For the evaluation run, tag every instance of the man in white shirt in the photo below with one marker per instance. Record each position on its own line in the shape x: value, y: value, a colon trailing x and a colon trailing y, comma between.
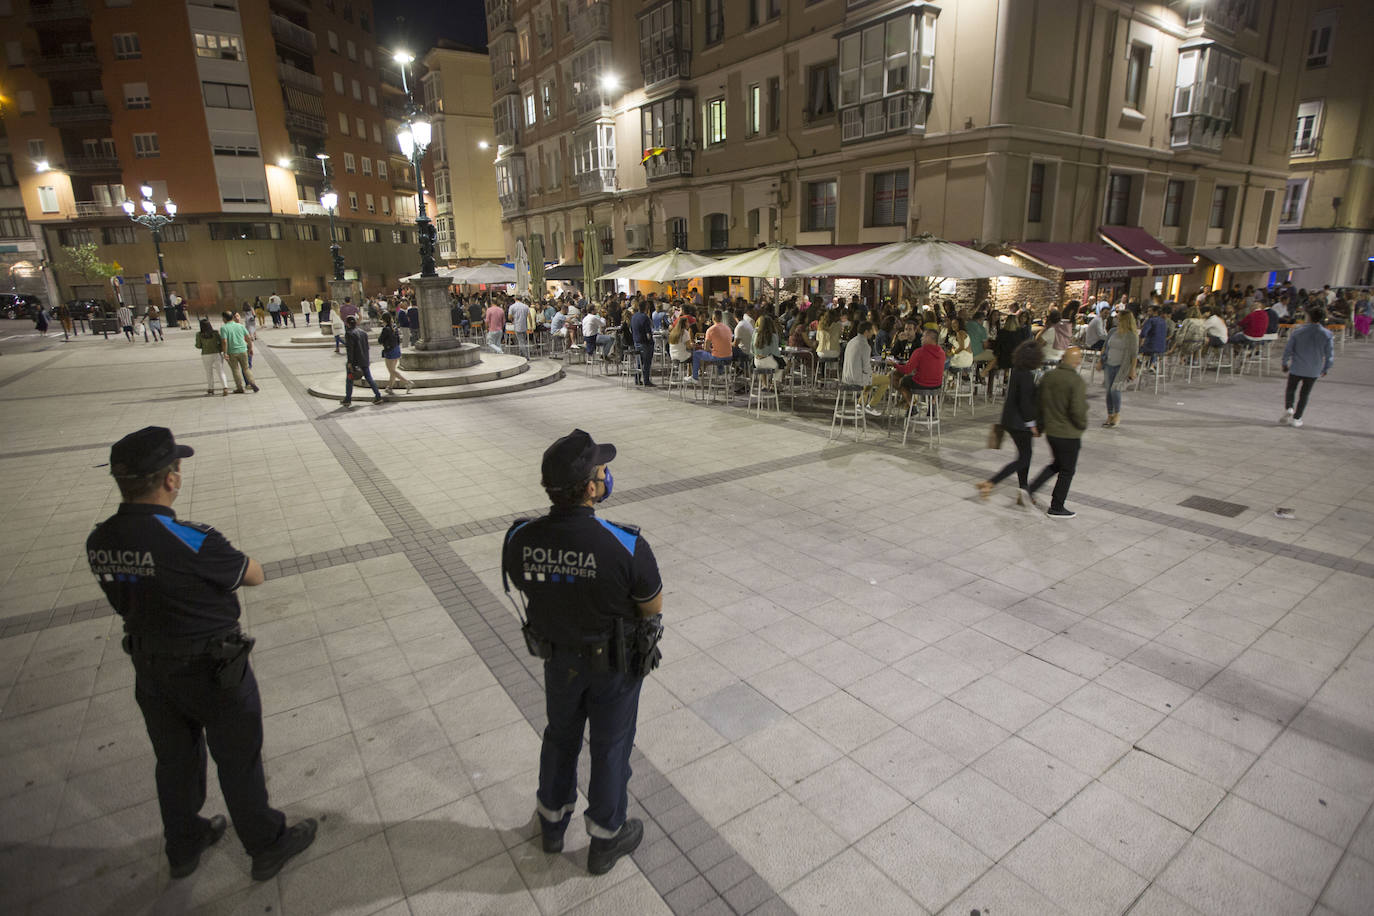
x: 519, y: 314
x: 1095, y: 334
x: 126, y: 321
x: 857, y: 368
x: 592, y: 327
x: 744, y: 336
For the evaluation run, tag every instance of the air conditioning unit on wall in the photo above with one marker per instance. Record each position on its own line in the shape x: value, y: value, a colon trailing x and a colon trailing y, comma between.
x: 637, y: 237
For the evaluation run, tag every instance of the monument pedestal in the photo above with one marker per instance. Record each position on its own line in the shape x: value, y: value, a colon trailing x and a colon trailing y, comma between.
x: 438, y: 348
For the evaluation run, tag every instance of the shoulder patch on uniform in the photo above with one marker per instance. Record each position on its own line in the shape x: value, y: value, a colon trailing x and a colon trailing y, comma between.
x: 516, y: 526
x: 192, y: 537
x: 627, y: 535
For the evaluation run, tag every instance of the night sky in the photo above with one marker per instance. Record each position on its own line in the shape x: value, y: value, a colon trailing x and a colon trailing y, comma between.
x: 418, y: 24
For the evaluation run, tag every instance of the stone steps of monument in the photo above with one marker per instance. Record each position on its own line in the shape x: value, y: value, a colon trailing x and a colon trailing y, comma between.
x: 530, y: 375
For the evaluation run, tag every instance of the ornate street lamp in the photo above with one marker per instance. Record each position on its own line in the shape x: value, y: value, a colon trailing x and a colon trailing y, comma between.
x: 154, y: 222
x: 414, y: 136
x: 329, y: 200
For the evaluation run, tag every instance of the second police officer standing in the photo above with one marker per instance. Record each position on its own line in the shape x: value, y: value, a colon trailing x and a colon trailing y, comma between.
x: 173, y: 583
x: 594, y: 598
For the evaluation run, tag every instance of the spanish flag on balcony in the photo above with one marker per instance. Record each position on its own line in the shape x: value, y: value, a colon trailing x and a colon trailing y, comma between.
x: 651, y: 153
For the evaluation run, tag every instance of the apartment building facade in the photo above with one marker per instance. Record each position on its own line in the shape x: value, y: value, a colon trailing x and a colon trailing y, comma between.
x: 456, y: 90
x: 720, y: 126
x: 223, y: 106
x: 1327, y: 218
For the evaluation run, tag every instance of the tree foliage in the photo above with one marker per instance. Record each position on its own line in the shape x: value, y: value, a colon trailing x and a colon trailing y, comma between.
x: 84, y: 260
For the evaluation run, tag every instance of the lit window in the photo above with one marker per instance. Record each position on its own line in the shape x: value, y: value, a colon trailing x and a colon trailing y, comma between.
x: 715, y: 121
x: 218, y: 46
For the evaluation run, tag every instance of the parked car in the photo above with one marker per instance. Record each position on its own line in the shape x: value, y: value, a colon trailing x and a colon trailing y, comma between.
x: 18, y: 305
x: 89, y: 308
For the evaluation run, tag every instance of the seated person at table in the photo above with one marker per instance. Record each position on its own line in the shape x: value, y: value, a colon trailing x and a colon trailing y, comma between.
x: 594, y: 333
x: 743, y: 338
x: 1255, y: 324
x: 1154, y: 334
x: 960, y: 349
x: 799, y: 339
x: 680, y: 342
x: 558, y: 325
x: 719, y: 347
x: 1095, y: 334
x: 828, y: 328
x: 1215, y: 327
x: 858, y: 364
x: 925, y: 370
x: 768, y: 345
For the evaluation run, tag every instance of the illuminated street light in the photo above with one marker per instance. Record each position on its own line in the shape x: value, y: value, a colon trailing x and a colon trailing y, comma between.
x: 154, y: 222
x: 329, y: 200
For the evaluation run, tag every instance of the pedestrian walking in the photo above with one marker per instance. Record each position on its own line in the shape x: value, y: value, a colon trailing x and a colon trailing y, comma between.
x: 154, y: 321
x: 1308, y: 355
x: 174, y: 583
x: 357, y: 363
x: 1118, y: 363
x: 1062, y: 414
x: 389, y: 339
x: 126, y: 321
x: 413, y: 315
x: 211, y: 347
x: 1020, y: 412
x: 238, y: 351
x: 594, y: 598
x: 40, y: 320
x: 64, y: 315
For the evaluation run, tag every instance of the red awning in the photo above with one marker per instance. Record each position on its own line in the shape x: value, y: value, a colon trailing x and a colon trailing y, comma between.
x: 1082, y: 260
x: 1139, y: 244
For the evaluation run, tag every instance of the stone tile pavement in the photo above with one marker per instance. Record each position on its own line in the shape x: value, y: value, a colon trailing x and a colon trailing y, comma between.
x: 876, y: 688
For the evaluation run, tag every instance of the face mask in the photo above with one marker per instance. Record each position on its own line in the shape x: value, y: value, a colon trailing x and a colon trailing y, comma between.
x: 609, y: 483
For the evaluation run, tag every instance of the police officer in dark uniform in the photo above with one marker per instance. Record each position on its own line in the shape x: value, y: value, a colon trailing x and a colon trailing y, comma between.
x: 594, y: 598
x: 173, y: 582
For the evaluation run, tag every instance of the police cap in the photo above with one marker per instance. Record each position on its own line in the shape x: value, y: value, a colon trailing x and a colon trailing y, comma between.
x: 569, y: 461
x: 147, y: 451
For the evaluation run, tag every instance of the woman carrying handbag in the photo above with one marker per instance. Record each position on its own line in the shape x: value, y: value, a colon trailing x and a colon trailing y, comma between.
x: 1018, y: 421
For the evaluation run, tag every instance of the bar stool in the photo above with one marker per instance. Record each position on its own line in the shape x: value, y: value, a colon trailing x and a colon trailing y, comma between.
x: 1154, y: 363
x: 763, y: 388
x: 1253, y: 356
x: 1225, y: 360
x: 718, y: 379
x: 923, y: 411
x: 960, y: 383
x: 628, y: 378
x: 679, y: 373
x: 849, y: 407
x: 827, y: 372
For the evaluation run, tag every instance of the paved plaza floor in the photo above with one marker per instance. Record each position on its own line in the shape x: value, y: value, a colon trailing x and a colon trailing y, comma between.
x: 878, y: 693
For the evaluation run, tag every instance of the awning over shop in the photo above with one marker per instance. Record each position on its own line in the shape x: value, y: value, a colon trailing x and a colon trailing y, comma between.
x: 1249, y: 260
x: 1082, y: 260
x: 1139, y: 244
x: 573, y: 270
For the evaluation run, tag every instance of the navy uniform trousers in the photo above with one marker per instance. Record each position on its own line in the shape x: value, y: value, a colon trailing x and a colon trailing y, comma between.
x: 184, y: 711
x: 609, y: 702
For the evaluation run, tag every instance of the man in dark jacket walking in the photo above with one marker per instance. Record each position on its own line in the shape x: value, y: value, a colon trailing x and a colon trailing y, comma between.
x: 356, y: 344
x: 1063, y: 415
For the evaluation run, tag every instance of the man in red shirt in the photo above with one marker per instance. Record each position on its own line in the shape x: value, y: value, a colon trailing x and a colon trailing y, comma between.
x: 1256, y: 323
x: 925, y: 370
x: 495, y: 318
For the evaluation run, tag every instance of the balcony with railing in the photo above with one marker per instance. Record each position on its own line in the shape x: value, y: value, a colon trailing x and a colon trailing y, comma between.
x: 596, y: 181
x: 1197, y: 132
x: 300, y: 79
x: 306, y: 123
x: 293, y: 36
x: 58, y: 11
x: 71, y: 114
x: 87, y: 164
x: 307, y: 166
x: 310, y: 208
x: 402, y: 180
x: 66, y: 61
x: 86, y: 208
x: 500, y: 16
x: 671, y: 164
x: 900, y: 113
x: 673, y: 65
x: 591, y: 22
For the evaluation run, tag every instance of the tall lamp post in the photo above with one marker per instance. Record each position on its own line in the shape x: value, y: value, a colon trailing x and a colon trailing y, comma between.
x: 330, y: 200
x: 154, y: 222
x: 414, y: 136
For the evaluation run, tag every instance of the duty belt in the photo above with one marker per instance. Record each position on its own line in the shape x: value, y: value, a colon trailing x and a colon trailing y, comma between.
x: 171, y: 647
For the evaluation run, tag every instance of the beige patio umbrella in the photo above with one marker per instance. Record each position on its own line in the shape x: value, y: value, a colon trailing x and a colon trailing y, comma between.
x: 671, y: 265
x: 923, y: 256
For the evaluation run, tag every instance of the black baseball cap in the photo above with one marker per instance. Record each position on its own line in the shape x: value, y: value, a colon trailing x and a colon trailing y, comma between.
x: 147, y: 451
x: 570, y: 460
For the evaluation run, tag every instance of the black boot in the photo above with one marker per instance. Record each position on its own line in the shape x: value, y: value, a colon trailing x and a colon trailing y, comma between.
x: 603, y: 854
